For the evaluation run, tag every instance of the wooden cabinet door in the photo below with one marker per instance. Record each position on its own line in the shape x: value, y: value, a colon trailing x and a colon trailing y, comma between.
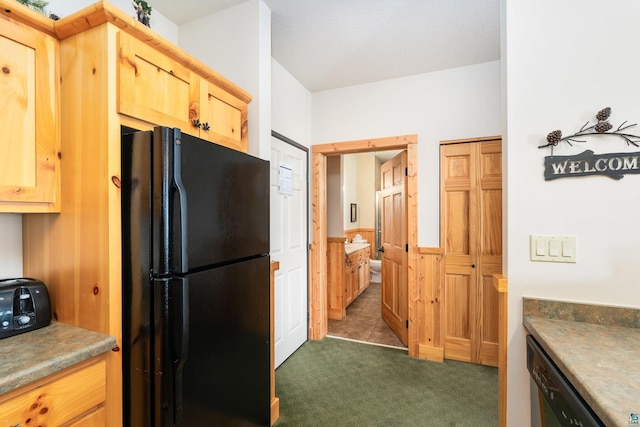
x: 30, y: 161
x: 155, y: 88
x: 471, y: 214
x: 361, y: 274
x: 367, y: 267
x: 350, y: 279
x: 223, y: 117
x: 395, y: 299
x: 77, y: 392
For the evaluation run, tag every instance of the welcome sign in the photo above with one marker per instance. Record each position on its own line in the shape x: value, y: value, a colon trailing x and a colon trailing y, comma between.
x: 613, y: 165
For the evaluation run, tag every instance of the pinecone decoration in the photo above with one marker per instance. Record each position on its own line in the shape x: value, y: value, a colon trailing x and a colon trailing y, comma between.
x: 554, y: 137
x: 603, y: 115
x: 602, y: 127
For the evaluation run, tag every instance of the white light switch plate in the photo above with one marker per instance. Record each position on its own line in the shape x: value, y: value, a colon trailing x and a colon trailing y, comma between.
x: 553, y: 248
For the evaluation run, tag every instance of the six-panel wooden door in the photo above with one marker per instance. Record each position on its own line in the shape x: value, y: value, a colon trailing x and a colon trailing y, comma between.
x: 394, y: 243
x: 471, y: 234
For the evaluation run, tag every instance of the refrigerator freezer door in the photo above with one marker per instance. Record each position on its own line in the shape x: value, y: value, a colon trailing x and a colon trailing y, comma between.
x: 219, y: 203
x: 226, y: 377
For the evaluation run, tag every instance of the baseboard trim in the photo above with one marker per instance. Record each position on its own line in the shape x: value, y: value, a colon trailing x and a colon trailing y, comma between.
x: 275, y: 410
x: 435, y: 354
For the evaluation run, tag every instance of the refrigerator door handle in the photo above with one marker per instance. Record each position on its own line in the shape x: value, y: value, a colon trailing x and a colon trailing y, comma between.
x: 179, y: 341
x: 181, y: 208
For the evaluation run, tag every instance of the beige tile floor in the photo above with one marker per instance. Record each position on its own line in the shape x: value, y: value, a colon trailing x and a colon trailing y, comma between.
x: 364, y: 321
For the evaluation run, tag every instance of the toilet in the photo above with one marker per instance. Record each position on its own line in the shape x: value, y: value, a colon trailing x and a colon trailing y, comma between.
x: 376, y: 270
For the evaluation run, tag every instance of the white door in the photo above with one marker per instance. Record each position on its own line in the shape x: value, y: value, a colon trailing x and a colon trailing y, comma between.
x: 289, y: 246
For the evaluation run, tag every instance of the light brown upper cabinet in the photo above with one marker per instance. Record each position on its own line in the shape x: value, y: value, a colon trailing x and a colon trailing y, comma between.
x: 153, y: 87
x: 30, y: 161
x: 471, y: 235
x: 223, y: 117
x: 159, y: 90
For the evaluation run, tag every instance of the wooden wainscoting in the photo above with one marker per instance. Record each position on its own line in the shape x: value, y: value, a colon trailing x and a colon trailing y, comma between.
x: 368, y: 234
x: 428, y: 307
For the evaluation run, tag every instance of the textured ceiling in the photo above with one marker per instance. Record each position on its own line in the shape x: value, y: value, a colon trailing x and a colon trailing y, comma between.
x: 327, y: 44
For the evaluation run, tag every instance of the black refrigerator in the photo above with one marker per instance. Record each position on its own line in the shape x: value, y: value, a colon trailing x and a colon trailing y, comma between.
x: 195, y: 285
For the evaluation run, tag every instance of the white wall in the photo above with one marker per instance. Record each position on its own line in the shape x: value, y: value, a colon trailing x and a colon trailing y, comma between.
x: 564, y: 62
x: 366, y: 190
x: 290, y: 106
x: 335, y: 217
x: 349, y: 175
x: 236, y: 43
x: 11, y: 247
x: 452, y: 104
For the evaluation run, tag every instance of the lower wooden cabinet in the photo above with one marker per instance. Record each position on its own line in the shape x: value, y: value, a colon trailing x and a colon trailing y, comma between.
x: 348, y: 275
x: 74, y: 397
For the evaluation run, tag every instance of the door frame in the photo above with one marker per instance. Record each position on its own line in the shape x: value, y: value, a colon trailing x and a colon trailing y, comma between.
x: 318, y: 323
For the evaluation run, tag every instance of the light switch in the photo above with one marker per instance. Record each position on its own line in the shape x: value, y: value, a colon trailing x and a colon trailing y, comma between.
x: 553, y: 248
x: 569, y: 249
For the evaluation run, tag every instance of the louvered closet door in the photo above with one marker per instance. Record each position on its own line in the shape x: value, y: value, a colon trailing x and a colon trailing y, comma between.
x: 471, y: 213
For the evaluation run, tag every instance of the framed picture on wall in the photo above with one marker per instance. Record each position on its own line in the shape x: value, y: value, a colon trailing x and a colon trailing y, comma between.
x: 354, y: 212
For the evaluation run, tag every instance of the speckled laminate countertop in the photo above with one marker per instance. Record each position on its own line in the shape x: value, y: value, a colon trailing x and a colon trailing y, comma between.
x: 33, y: 355
x: 598, y: 350
x: 350, y: 248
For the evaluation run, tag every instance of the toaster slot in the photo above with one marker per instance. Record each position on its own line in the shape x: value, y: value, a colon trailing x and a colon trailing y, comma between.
x: 23, y: 310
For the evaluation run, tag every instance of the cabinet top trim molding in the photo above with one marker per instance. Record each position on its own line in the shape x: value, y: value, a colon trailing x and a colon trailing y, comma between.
x: 102, y: 12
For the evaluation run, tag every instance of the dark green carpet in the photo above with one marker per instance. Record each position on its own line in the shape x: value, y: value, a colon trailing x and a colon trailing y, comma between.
x: 342, y: 383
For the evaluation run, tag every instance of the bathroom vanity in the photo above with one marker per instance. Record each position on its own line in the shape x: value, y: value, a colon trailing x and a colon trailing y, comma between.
x: 348, y: 274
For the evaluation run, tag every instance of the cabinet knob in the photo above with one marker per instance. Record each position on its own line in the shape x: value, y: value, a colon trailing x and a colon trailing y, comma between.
x: 196, y: 123
x: 473, y: 266
x: 205, y: 126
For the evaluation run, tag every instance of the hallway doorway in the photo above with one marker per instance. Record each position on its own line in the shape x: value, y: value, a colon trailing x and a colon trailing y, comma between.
x: 318, y: 322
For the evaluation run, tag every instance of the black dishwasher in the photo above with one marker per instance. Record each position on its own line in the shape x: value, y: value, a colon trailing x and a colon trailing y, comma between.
x: 556, y: 403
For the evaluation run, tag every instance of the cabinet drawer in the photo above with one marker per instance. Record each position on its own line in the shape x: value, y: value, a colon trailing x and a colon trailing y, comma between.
x: 65, y: 398
x: 153, y: 87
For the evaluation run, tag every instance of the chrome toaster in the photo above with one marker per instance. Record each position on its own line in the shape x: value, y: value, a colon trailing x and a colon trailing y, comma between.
x: 24, y: 306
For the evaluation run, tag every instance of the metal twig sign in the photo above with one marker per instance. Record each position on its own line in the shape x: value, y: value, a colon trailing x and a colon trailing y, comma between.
x: 587, y: 163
